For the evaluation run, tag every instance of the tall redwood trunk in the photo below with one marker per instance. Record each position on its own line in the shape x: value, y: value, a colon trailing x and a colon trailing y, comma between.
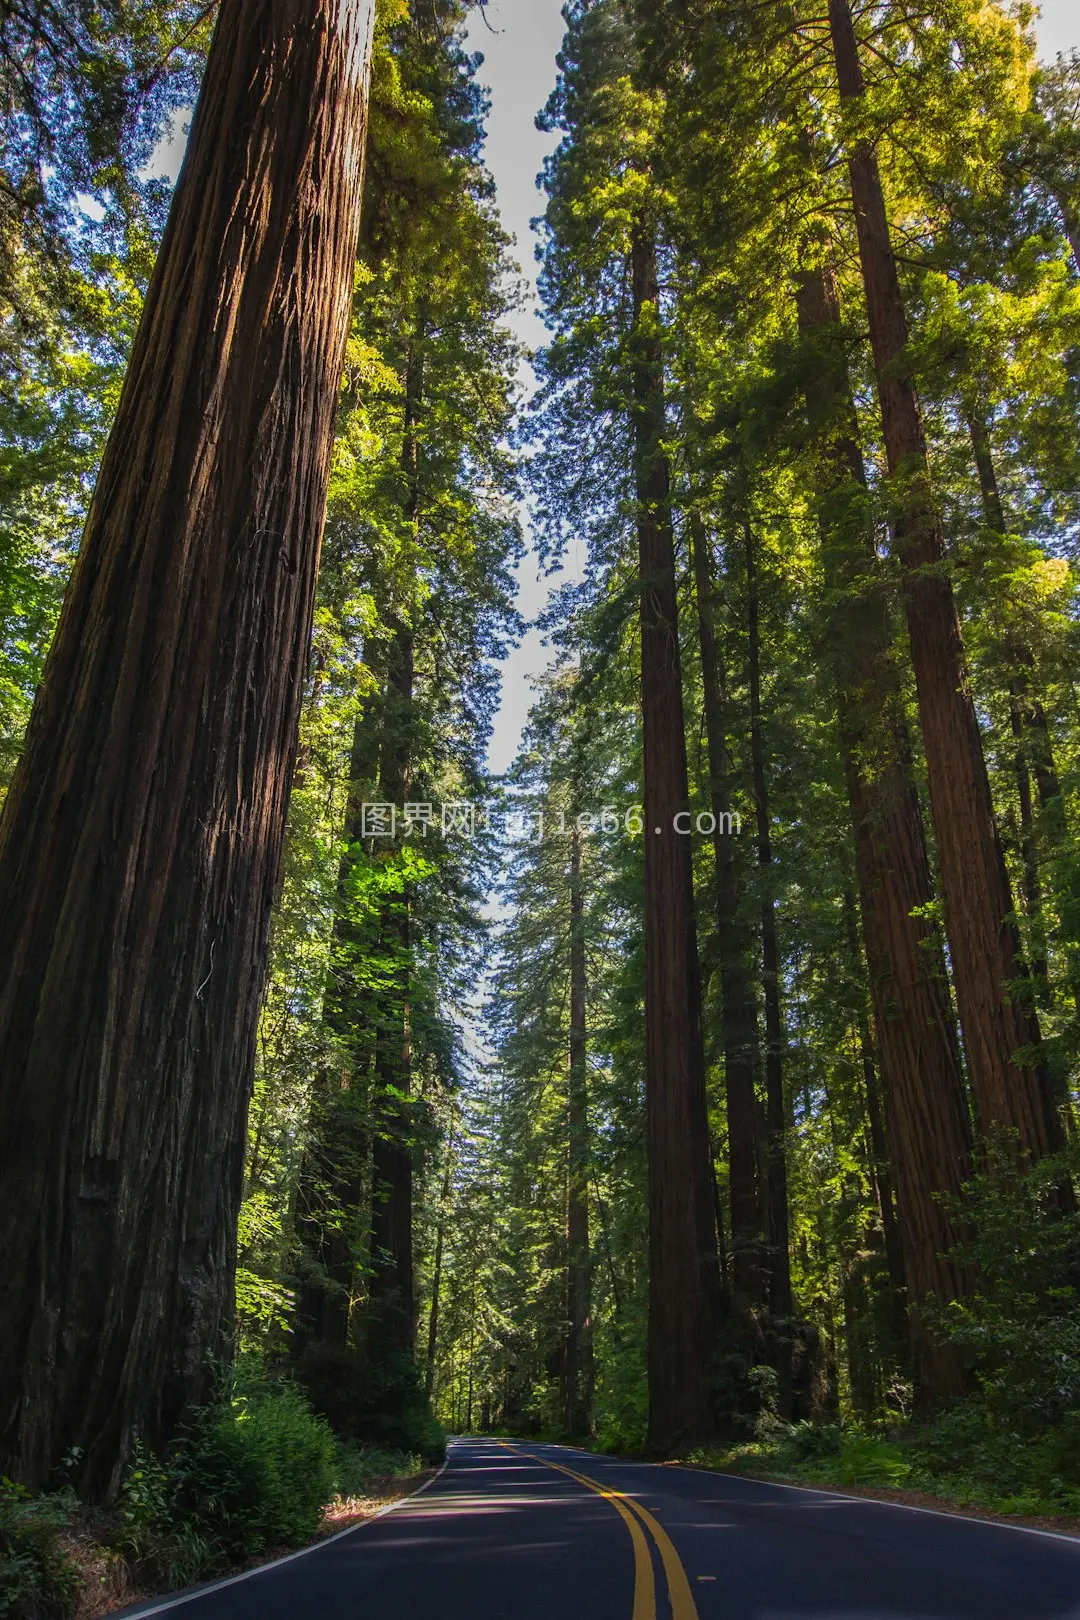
x: 577, y: 1363
x: 683, y: 1267
x: 335, y: 1175
x: 437, y: 1271
x: 734, y: 947
x: 391, y: 1317
x: 141, y: 836
x: 978, y: 904
x: 926, y: 1114
x: 781, y: 1301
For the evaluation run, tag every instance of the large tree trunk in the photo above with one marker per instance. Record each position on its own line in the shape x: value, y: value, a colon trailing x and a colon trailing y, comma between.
x: 978, y: 904
x: 781, y: 1302
x: 734, y: 947
x: 683, y: 1269
x: 925, y: 1106
x: 141, y: 836
x: 577, y: 1364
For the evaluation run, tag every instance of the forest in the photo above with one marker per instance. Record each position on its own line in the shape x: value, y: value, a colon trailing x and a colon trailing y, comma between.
x: 705, y: 1085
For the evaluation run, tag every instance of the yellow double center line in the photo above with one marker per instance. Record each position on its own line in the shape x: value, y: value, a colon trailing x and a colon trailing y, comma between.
x: 680, y: 1596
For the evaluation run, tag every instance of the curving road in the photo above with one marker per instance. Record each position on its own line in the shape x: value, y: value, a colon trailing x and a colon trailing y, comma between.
x: 521, y: 1531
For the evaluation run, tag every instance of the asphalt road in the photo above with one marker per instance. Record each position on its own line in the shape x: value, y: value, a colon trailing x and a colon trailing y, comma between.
x: 517, y: 1531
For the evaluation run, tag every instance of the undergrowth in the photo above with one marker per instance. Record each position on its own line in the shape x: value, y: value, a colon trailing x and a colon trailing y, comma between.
x: 253, y: 1474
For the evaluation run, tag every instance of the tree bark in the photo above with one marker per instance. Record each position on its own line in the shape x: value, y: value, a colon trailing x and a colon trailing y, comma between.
x: 390, y: 1323
x: 683, y: 1270
x: 331, y: 1207
x: 1027, y: 720
x: 781, y: 1302
x: 926, y: 1111
x: 141, y: 837
x: 577, y: 1364
x: 391, y: 1315
x: 978, y: 905
x: 738, y: 1008
x: 436, y: 1275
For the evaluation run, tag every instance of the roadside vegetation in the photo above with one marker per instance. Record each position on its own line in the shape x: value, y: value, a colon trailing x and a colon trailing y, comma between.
x: 255, y: 1474
x: 1012, y: 1443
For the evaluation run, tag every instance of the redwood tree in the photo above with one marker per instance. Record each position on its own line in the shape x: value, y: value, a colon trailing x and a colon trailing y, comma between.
x: 978, y: 905
x: 577, y: 1354
x: 738, y: 1011
x: 926, y: 1115
x: 683, y: 1264
x: 140, y: 840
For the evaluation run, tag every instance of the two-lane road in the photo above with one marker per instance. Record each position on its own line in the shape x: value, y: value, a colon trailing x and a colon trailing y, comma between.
x: 521, y: 1531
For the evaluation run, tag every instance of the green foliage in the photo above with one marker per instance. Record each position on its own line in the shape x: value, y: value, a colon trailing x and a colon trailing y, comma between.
x: 971, y: 1456
x: 253, y: 1475
x: 1020, y: 1326
x: 250, y: 1474
x: 864, y: 1460
x: 38, y: 1580
x: 377, y: 1401
x: 362, y: 1470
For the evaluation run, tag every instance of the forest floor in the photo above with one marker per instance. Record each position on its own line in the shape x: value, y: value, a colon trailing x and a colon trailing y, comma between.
x: 108, y: 1583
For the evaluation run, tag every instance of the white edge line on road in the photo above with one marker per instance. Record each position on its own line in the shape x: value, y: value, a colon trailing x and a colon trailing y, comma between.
x: 827, y: 1490
x: 877, y: 1501
x: 275, y: 1563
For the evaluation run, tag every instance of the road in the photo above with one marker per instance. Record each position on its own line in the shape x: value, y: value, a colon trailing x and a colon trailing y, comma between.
x: 522, y: 1531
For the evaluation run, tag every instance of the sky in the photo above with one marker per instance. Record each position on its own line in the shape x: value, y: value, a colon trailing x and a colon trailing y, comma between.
x: 519, y: 40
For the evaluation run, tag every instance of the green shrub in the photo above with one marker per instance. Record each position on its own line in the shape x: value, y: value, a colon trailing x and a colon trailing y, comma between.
x: 372, y: 1401
x: 143, y: 1507
x: 1020, y: 1327
x: 863, y: 1460
x: 254, y: 1475
x: 360, y: 1469
x: 810, y: 1442
x: 976, y: 1457
x: 38, y: 1581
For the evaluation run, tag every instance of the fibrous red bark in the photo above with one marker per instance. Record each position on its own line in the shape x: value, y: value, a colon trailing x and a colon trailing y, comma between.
x: 140, y: 841
x: 683, y: 1264
x: 926, y: 1115
x: 1008, y: 1095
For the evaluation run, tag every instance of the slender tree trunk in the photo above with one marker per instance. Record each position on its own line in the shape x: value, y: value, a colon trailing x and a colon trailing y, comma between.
x: 335, y: 1176
x: 613, y: 1277
x: 881, y: 1172
x: 141, y: 836
x: 578, y: 1349
x: 926, y: 1112
x: 880, y: 1163
x: 683, y: 1271
x: 1024, y: 716
x: 738, y: 1009
x: 1070, y: 223
x: 781, y: 1303
x: 978, y: 904
x: 391, y: 1315
x: 437, y: 1270
x: 1029, y: 860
